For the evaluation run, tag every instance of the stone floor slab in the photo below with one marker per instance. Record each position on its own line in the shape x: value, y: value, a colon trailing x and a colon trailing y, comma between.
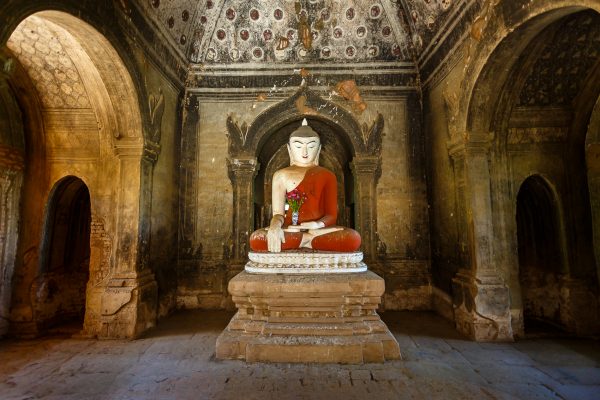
x: 176, y: 360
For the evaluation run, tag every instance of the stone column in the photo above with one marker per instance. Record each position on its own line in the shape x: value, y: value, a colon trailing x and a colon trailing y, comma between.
x: 128, y: 303
x: 242, y: 172
x: 481, y: 297
x: 11, y: 182
x: 188, y: 175
x: 366, y: 170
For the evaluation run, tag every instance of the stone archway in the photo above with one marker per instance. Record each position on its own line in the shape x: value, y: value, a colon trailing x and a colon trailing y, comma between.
x: 247, y: 142
x: 486, y: 137
x: 90, y: 126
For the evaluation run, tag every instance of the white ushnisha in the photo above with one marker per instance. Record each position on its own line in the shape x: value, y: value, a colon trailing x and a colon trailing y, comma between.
x: 305, y: 262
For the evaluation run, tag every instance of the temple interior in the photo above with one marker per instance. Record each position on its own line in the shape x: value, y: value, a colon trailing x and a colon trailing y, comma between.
x: 138, y: 142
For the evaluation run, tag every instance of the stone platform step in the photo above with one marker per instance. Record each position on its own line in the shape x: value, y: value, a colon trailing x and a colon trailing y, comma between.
x: 372, y: 348
x: 328, y: 318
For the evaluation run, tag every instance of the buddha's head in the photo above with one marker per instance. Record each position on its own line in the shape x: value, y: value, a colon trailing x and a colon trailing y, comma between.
x: 304, y: 146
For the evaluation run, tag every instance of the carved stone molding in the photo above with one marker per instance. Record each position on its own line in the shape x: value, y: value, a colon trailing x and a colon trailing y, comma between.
x: 237, y: 135
x: 367, y: 171
x: 373, y: 135
x: 305, y: 263
x: 241, y: 172
x: 245, y: 142
x: 156, y: 108
x: 246, y: 139
x: 151, y: 151
x: 367, y: 165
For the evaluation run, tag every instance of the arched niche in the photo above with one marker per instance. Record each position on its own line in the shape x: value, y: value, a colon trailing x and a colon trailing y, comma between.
x: 539, y: 233
x: 65, y: 256
x: 359, y: 152
x: 540, y: 239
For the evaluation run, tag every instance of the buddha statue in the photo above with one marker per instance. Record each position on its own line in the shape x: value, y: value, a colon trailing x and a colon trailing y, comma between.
x: 317, y: 215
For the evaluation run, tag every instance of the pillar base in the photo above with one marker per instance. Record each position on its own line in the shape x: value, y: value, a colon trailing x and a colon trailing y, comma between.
x: 125, y: 308
x: 328, y: 318
x: 482, y: 308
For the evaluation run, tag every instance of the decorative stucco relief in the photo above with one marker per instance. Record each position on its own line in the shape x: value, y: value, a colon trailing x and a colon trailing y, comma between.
x: 564, y: 64
x: 42, y: 47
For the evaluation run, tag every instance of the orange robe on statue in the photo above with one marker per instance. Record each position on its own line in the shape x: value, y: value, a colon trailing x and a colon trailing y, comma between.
x: 320, y: 186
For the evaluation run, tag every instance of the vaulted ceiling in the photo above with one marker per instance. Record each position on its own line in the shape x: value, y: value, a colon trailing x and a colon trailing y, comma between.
x: 299, y: 31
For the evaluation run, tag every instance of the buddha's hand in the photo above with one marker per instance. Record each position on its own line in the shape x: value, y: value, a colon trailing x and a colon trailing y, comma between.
x: 312, y: 225
x: 275, y: 237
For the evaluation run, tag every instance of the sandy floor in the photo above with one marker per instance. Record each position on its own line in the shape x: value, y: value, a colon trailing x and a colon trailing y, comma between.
x: 176, y: 361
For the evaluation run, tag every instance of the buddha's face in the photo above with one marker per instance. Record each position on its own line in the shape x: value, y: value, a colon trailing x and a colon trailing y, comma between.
x: 304, y: 151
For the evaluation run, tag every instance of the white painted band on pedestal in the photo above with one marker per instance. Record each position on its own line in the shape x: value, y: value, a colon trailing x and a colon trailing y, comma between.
x: 305, y: 263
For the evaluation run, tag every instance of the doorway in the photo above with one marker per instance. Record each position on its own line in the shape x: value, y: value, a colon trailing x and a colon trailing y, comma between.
x: 61, y: 288
x: 541, y: 264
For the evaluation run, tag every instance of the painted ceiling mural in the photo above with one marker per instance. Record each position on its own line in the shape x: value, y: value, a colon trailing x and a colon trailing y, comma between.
x: 299, y: 31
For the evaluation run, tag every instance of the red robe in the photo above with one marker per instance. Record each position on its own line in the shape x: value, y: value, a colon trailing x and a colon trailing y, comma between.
x: 320, y: 186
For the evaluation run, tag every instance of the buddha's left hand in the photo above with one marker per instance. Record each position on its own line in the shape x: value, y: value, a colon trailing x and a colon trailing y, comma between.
x: 312, y: 225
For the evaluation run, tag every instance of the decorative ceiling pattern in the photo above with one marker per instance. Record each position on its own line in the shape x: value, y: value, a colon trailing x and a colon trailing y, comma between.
x: 298, y: 31
x: 565, y: 63
x: 426, y: 18
x: 42, y: 47
x: 248, y: 31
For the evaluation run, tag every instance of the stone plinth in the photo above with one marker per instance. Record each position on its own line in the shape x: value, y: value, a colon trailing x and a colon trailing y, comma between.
x: 323, y: 318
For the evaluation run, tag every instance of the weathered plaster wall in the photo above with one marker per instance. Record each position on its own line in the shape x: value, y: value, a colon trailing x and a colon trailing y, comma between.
x: 213, y: 225
x: 203, y: 277
x: 163, y: 104
x: 448, y: 239
x: 402, y: 207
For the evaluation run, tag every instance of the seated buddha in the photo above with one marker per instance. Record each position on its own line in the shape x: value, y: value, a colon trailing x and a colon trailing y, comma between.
x: 318, y: 212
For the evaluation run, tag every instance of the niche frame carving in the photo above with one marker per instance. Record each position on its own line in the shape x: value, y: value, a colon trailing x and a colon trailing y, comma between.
x: 245, y: 142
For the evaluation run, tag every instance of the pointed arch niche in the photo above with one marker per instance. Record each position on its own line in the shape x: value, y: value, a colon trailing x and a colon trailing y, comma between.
x: 257, y: 151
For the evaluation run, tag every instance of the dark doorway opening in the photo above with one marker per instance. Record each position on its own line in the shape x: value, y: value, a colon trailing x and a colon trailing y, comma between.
x: 62, y: 286
x: 541, y: 265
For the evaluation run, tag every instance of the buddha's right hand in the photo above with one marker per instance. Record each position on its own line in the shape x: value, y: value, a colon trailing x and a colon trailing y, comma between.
x: 275, y: 235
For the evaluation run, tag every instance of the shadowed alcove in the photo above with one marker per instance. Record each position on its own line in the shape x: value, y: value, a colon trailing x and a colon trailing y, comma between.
x: 541, y: 263
x: 66, y: 255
